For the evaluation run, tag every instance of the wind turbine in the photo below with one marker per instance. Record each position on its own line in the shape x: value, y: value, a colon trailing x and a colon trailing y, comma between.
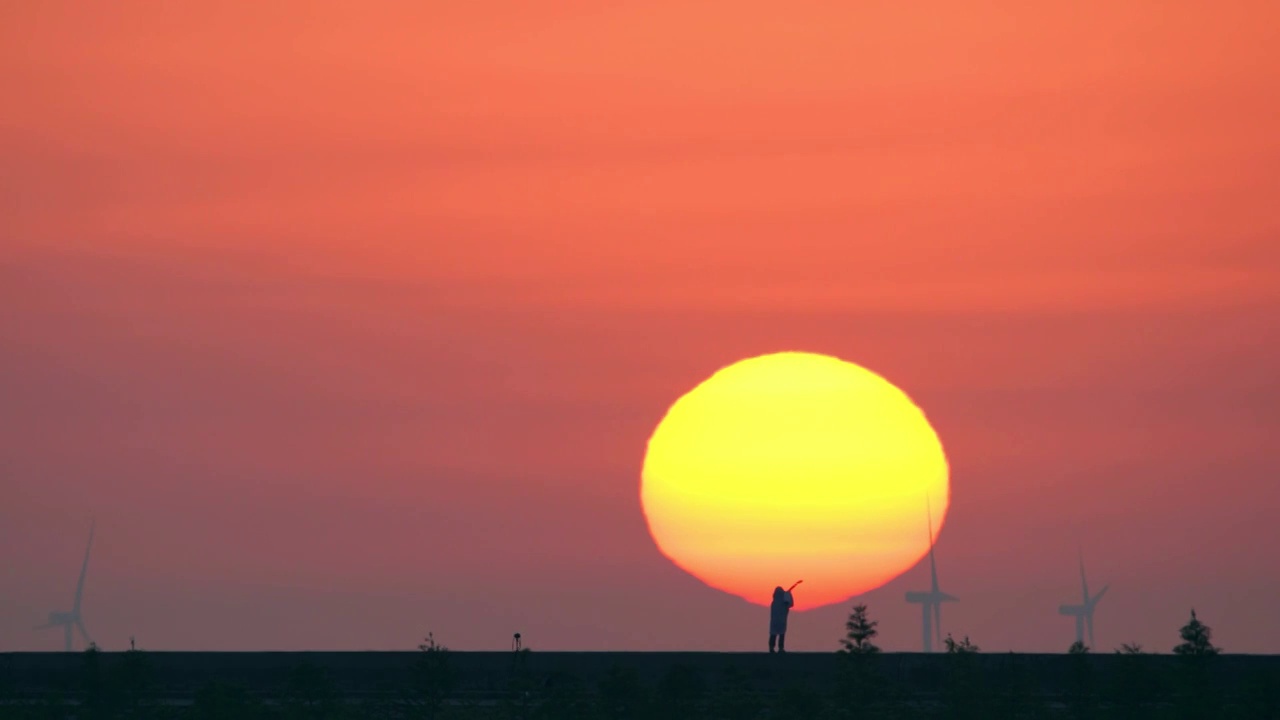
x: 1083, y: 613
x: 931, y: 600
x: 67, y: 620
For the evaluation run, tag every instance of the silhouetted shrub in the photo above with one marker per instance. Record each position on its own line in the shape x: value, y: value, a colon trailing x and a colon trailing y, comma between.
x: 963, y: 647
x: 858, y: 632
x: 1195, y: 638
x: 1197, y: 694
x: 966, y: 694
x: 93, y: 686
x: 1134, y: 688
x: 1081, y: 698
x: 431, y: 680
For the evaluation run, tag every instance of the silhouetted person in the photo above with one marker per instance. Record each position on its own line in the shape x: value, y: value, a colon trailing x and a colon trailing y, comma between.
x: 778, y: 611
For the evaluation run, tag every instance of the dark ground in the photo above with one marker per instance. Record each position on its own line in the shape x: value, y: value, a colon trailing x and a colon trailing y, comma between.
x: 620, y: 685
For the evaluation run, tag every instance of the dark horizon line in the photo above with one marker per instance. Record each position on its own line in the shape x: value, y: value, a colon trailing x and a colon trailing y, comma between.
x: 534, y: 651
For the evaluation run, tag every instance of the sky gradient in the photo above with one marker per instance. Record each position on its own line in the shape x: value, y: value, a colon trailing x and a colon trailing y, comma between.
x: 349, y: 323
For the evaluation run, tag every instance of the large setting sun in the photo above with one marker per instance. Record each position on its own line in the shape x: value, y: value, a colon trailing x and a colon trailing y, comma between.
x: 794, y: 466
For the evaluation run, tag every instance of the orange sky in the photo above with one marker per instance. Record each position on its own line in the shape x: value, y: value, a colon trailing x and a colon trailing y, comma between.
x: 351, y: 323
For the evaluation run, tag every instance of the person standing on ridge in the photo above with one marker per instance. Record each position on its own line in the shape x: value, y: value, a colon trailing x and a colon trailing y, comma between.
x: 778, y: 611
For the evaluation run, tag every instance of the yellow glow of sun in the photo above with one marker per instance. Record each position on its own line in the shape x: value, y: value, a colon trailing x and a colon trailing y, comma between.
x: 794, y: 466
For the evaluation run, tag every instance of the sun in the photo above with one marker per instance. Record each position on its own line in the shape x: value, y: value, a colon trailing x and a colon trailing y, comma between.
x: 794, y: 466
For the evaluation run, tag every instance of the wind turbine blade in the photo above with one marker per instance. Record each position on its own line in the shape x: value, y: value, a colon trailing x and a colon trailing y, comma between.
x: 84, y: 633
x: 1084, y: 584
x: 1094, y: 600
x: 933, y: 564
x: 933, y: 573
x: 84, y: 570
x: 1089, y: 621
x: 937, y: 622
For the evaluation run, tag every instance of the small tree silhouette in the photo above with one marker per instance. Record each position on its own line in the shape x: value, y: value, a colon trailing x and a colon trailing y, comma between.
x: 133, y: 678
x: 964, y: 647
x: 1195, y: 638
x: 1133, y: 683
x: 432, y: 678
x: 1197, y: 692
x: 1080, y: 687
x: 93, y: 686
x: 858, y: 633
x: 966, y: 693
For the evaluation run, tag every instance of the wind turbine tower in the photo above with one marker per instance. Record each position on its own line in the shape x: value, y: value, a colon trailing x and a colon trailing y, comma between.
x: 932, y: 599
x: 1083, y: 613
x: 72, y: 619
